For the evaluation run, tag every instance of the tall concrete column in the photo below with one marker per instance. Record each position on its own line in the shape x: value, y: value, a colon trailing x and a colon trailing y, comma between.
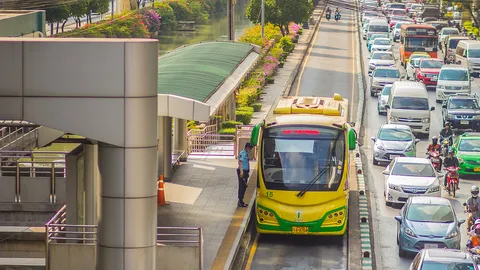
x: 92, y: 183
x: 128, y: 221
x: 165, y: 147
x: 180, y: 138
x: 71, y: 165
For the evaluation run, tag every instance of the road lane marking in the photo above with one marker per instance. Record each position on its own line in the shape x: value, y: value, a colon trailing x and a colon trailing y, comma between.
x: 248, y: 266
x: 305, y: 61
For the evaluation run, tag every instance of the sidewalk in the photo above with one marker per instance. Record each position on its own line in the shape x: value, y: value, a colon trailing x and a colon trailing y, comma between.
x: 203, y: 191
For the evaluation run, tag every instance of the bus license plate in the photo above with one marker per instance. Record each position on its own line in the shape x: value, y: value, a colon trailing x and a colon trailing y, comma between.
x: 464, y: 122
x: 476, y: 169
x: 300, y: 230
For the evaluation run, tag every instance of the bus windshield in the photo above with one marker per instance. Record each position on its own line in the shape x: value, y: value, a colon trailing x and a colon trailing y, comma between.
x: 420, y: 43
x: 294, y: 155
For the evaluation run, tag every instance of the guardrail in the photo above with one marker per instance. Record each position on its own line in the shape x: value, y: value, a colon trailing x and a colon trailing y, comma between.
x: 19, y: 138
x: 182, y: 236
x: 211, y: 144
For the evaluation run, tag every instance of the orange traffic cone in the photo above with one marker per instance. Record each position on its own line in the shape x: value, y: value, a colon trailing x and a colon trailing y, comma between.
x: 161, y: 192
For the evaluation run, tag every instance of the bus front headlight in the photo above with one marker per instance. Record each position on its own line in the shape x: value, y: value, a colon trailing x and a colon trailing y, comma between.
x: 266, y: 217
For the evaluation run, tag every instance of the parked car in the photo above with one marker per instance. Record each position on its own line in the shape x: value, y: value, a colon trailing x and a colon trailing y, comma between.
x: 383, y: 99
x: 442, y: 258
x: 381, y: 59
x: 462, y: 111
x: 382, y: 76
x: 393, y: 141
x: 407, y: 177
x: 428, y: 70
x: 467, y: 150
x: 427, y: 222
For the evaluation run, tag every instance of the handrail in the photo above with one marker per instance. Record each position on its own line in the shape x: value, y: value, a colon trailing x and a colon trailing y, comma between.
x: 21, y: 137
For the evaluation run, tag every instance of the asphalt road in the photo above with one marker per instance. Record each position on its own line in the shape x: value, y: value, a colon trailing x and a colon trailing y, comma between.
x: 328, y: 70
x: 386, y: 250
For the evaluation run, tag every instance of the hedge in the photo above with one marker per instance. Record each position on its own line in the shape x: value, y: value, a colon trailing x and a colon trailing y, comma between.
x: 229, y: 124
x: 227, y: 131
x: 257, y: 107
x: 245, y: 109
x: 244, y: 116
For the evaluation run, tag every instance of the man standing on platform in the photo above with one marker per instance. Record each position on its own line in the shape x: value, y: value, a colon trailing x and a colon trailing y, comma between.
x: 242, y: 172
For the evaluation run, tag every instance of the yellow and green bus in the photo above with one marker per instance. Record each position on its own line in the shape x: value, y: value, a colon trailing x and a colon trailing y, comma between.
x: 303, y: 161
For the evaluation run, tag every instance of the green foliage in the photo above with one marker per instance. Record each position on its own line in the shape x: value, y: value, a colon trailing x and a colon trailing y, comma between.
x: 287, y: 44
x: 79, y: 9
x: 300, y: 31
x: 192, y: 124
x: 257, y: 107
x: 57, y: 14
x: 227, y: 131
x: 245, y: 109
x: 244, y: 116
x: 98, y: 6
x: 181, y: 10
x: 276, y: 52
x: 254, y: 34
x: 199, y: 14
x: 168, y: 16
x: 247, y: 96
x: 229, y: 124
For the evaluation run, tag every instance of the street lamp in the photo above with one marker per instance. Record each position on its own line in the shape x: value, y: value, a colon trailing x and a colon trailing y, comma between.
x: 263, y: 19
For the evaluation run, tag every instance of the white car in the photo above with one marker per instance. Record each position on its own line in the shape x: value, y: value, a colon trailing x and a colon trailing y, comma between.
x: 382, y: 44
x: 380, y: 59
x: 408, y: 177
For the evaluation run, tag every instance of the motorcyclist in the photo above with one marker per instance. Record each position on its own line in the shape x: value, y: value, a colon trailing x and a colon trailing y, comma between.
x: 474, y: 240
x: 473, y: 230
x: 434, y: 146
x: 450, y: 161
x: 472, y: 205
x: 446, y: 132
x: 329, y: 10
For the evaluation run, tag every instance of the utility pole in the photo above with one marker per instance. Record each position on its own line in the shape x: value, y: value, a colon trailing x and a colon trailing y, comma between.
x: 263, y: 19
x: 231, y: 32
x: 113, y: 9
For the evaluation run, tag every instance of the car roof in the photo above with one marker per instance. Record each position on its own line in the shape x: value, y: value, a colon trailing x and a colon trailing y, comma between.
x: 382, y: 38
x: 431, y: 59
x: 413, y: 160
x: 384, y: 67
x: 450, y: 28
x: 453, y: 66
x: 381, y: 52
x: 392, y: 126
x: 429, y: 200
x: 442, y: 254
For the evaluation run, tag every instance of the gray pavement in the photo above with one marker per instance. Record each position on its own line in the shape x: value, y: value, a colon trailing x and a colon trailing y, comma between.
x: 386, y: 250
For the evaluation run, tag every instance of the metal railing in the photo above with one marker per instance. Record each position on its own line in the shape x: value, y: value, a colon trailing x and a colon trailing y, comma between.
x: 211, y: 144
x: 182, y: 236
x: 10, y: 165
x: 19, y: 138
x: 206, y: 130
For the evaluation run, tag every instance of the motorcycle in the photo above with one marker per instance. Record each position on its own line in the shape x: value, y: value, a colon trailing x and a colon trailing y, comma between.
x: 475, y: 252
x: 337, y: 16
x: 434, y: 157
x: 328, y: 16
x: 446, y: 145
x: 452, y: 179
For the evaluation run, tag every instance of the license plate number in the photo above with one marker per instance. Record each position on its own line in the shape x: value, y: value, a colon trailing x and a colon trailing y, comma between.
x: 464, y: 122
x: 476, y: 169
x: 300, y: 230
x: 431, y: 246
x: 394, y: 156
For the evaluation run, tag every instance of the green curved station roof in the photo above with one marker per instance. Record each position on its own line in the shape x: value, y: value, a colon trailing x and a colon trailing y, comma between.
x: 197, y: 71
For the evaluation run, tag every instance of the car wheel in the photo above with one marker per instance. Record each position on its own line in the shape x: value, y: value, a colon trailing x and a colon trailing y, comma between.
x: 401, y: 252
x: 375, y: 162
x: 372, y: 94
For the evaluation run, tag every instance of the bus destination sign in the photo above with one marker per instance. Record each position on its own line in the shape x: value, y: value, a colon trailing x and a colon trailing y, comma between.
x: 420, y: 32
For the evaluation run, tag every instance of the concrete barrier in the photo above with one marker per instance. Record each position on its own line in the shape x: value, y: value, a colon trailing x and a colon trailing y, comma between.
x: 64, y: 256
x: 178, y: 257
x: 32, y: 189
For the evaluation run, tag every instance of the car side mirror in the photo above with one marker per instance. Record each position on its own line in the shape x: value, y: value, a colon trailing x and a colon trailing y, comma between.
x: 398, y: 218
x: 417, y: 140
x: 387, y: 106
x: 444, y: 105
x: 432, y: 109
x: 373, y: 139
x: 460, y: 221
x: 386, y: 172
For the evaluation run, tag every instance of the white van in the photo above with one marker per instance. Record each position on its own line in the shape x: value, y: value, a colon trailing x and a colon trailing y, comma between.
x: 468, y: 55
x: 453, y: 79
x: 450, y: 48
x: 378, y: 26
x: 408, y: 105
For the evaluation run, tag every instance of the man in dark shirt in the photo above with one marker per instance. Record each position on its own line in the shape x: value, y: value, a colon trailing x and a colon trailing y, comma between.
x: 449, y: 161
x: 446, y: 132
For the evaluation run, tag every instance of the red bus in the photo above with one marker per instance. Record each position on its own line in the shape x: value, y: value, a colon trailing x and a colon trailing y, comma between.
x: 417, y: 38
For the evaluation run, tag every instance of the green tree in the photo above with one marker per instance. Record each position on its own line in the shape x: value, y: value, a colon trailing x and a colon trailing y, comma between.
x: 56, y: 15
x: 78, y: 10
x: 168, y: 16
x: 96, y: 6
x: 181, y: 10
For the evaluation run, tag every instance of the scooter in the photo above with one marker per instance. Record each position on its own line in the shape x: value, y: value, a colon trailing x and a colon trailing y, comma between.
x: 337, y: 16
x: 452, y: 179
x: 475, y: 252
x: 446, y: 145
x: 328, y: 16
x: 434, y: 157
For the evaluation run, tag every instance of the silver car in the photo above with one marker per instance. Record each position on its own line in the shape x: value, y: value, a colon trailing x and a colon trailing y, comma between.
x: 382, y: 76
x: 380, y: 59
x: 383, y: 98
x: 393, y: 141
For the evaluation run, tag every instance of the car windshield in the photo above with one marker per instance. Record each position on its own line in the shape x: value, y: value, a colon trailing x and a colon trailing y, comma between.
x: 450, y: 31
x: 393, y: 134
x: 381, y: 42
x: 453, y: 75
x: 378, y: 28
x: 431, y: 64
x: 413, y: 169
x: 474, y: 53
x: 410, y: 103
x: 430, y: 213
x: 415, y: 62
x: 400, y: 6
x: 469, y: 145
x: 375, y: 36
x: 452, y: 44
x: 294, y: 155
x: 462, y: 104
x: 386, y: 90
x: 416, y: 6
x: 447, y: 265
x: 370, y: 13
x: 398, y: 11
x: 382, y: 56
x: 387, y: 73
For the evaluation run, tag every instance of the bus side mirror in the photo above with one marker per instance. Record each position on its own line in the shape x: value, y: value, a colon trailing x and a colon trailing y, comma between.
x: 352, y: 139
x: 256, y: 133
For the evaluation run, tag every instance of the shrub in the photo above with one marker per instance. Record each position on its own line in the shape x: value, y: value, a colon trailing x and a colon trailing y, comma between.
x: 229, y: 124
x: 247, y: 96
x: 245, y: 109
x: 300, y: 31
x: 227, y: 131
x: 244, y: 116
x: 152, y: 20
x: 165, y: 11
x: 257, y: 107
x: 181, y: 10
x: 276, y: 52
x: 270, y: 79
x: 287, y: 44
x: 254, y: 34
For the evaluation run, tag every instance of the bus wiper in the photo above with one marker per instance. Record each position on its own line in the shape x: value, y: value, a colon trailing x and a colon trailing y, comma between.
x: 313, y: 181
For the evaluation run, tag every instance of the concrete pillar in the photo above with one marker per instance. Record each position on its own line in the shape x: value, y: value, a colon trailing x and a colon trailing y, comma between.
x: 127, y: 224
x: 165, y: 147
x: 180, y: 138
x: 71, y: 165
x: 92, y: 183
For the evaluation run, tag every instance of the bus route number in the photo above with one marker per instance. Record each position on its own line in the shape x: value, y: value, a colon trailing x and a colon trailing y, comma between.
x: 269, y: 194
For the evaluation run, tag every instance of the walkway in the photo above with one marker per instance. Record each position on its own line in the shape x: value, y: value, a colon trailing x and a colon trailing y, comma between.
x: 203, y: 191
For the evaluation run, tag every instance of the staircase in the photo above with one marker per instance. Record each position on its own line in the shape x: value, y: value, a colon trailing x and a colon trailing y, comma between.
x: 18, y: 138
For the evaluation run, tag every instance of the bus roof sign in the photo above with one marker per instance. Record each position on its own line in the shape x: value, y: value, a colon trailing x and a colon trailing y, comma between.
x: 420, y: 32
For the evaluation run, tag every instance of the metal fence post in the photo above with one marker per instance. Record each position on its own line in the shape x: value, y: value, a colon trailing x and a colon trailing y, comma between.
x: 53, y: 197
x: 17, y: 184
x: 201, y: 247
